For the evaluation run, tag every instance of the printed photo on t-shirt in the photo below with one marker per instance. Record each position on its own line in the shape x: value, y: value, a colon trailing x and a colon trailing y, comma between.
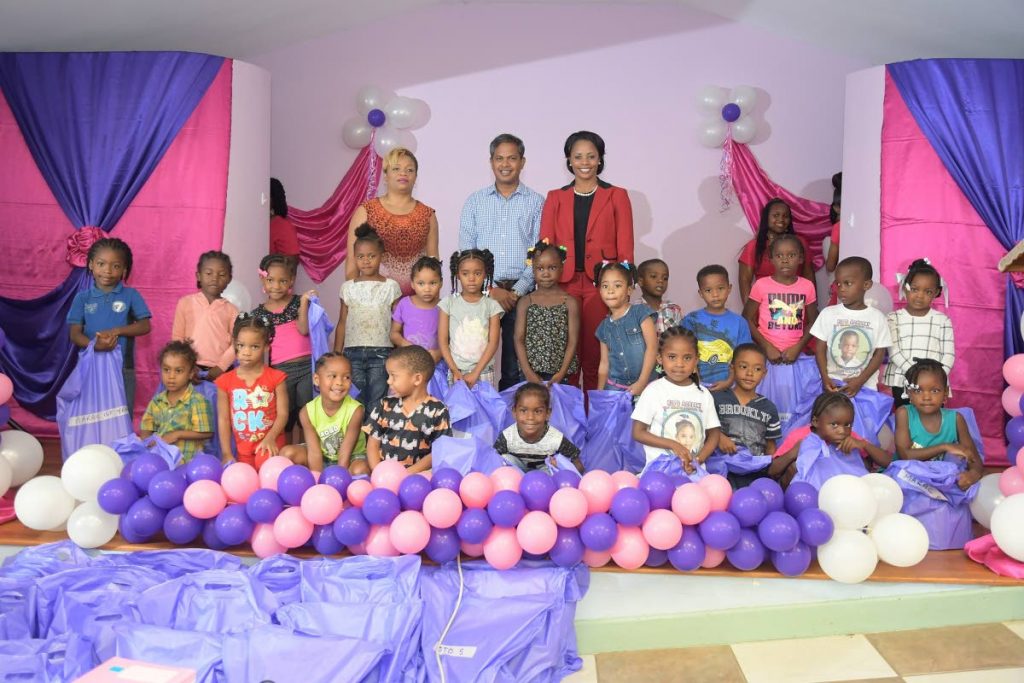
x: 849, y: 349
x: 684, y: 427
x: 786, y: 311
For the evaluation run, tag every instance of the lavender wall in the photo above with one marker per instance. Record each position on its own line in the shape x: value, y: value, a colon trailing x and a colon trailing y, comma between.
x: 630, y: 73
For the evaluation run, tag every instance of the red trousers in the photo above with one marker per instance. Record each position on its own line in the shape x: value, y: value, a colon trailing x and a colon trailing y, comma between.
x: 592, y: 312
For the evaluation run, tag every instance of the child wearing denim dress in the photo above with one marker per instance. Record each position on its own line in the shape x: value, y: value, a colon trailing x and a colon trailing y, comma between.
x: 629, y: 340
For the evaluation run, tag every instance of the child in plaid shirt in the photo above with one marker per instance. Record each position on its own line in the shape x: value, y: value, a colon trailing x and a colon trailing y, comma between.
x: 179, y: 415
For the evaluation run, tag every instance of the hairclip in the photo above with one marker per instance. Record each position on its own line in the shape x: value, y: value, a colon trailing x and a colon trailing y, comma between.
x: 262, y: 272
x: 546, y: 241
x: 625, y: 264
x: 909, y: 387
x: 562, y: 248
x: 902, y: 285
x: 605, y: 262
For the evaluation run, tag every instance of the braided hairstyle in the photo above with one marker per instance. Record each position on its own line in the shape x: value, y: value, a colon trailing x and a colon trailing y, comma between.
x: 791, y: 238
x: 251, y: 321
x: 762, y: 229
x: 365, y: 234
x: 543, y: 245
x: 289, y: 264
x: 677, y: 332
x: 923, y: 366
x: 214, y: 256
x: 181, y: 348
x: 330, y: 355
x: 827, y: 401
x: 922, y: 267
x: 116, y: 245
x: 624, y: 267
x: 533, y: 389
x: 483, y: 255
x: 427, y: 263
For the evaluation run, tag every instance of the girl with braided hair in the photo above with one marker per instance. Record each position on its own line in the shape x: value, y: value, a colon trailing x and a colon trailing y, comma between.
x: 468, y: 326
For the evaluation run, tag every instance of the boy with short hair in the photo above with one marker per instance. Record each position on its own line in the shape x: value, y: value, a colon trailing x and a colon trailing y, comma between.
x: 404, y: 426
x: 179, y: 415
x: 748, y: 419
x: 652, y: 277
x: 718, y: 329
x: 843, y: 366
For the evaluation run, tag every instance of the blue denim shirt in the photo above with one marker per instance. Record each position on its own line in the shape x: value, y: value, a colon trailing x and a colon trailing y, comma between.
x: 625, y: 342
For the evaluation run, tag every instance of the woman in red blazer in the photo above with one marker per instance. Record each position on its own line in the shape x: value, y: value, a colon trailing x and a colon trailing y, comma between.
x: 594, y: 221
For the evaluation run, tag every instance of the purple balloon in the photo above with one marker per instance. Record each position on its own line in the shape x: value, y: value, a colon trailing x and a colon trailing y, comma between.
x: 506, y: 508
x: 659, y: 489
x: 1015, y: 429
x: 799, y: 496
x: 568, y: 548
x: 5, y: 414
x: 720, y: 530
x: 536, y: 488
x: 128, y: 533
x: 180, y: 527
x: 630, y: 506
x: 599, y: 532
x: 474, y: 525
x: 446, y: 478
x: 167, y: 489
x: 263, y: 506
x: 381, y: 506
x: 566, y: 479
x: 233, y: 526
x: 779, y: 532
x: 443, y: 545
x: 413, y: 491
x: 145, y: 518
x: 351, y: 528
x: 337, y: 477
x: 689, y: 552
x: 210, y: 537
x: 203, y: 466
x: 116, y: 496
x: 324, y: 540
x: 126, y: 473
x: 748, y: 553
x: 793, y: 562
x: 815, y: 527
x: 679, y: 479
x: 293, y: 482
x: 656, y: 558
x: 749, y: 506
x: 772, y: 492
x: 376, y: 118
x: 145, y: 467
x: 731, y: 112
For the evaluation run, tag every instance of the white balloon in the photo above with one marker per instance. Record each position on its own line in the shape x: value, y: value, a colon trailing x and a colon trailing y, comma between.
x: 887, y: 492
x: 848, y: 557
x: 399, y: 112
x: 387, y: 139
x: 879, y: 297
x: 712, y: 133
x: 988, y: 497
x: 372, y: 97
x: 420, y: 113
x: 86, y: 470
x: 745, y: 97
x: 23, y: 452
x: 744, y: 129
x: 848, y: 501
x: 1007, y: 526
x: 901, y: 540
x: 238, y: 294
x: 90, y: 527
x: 43, y: 503
x: 6, y: 476
x: 711, y: 99
x: 356, y: 133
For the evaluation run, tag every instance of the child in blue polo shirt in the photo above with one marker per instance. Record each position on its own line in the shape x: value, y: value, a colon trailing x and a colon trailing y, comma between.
x: 110, y: 312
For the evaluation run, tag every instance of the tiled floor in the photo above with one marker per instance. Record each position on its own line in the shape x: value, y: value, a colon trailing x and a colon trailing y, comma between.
x: 983, y: 653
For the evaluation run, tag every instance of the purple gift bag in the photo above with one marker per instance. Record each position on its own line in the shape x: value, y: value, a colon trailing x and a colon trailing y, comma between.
x: 465, y: 455
x: 790, y: 386
x: 361, y: 579
x: 320, y: 328
x: 213, y: 601
x: 567, y: 411
x: 609, y: 445
x: 872, y: 411
x: 817, y: 462
x: 740, y: 462
x: 281, y: 575
x: 172, y: 647
x: 131, y: 447
x: 479, y: 411
x: 438, y: 384
x: 91, y: 406
x: 931, y: 494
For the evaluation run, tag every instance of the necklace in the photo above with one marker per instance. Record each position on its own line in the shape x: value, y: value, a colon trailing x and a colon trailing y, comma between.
x: 583, y: 194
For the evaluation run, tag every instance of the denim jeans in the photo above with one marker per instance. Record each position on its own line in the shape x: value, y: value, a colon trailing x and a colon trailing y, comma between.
x: 368, y: 373
x: 510, y: 372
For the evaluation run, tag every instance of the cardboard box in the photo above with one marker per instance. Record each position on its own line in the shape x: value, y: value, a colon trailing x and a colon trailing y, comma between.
x: 121, y: 670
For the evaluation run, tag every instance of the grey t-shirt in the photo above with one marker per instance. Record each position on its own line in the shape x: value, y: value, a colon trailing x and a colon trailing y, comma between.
x: 750, y: 425
x: 469, y: 328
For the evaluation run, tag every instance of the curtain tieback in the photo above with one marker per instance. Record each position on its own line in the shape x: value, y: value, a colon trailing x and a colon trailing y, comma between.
x: 78, y: 244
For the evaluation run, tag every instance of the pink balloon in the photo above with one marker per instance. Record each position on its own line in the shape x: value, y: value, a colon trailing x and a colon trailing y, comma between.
x: 358, y: 490
x: 263, y: 542
x: 321, y: 504
x: 291, y: 529
x: 6, y: 389
x: 594, y: 558
x: 239, y: 481
x: 1011, y: 481
x: 378, y: 542
x: 476, y: 490
x: 691, y: 503
x: 630, y: 550
x: 599, y: 488
x: 472, y: 549
x: 271, y: 470
x: 357, y: 549
x: 1011, y: 401
x: 712, y: 557
x: 410, y: 532
x: 388, y: 474
x: 502, y: 549
x: 204, y: 499
x: 1013, y: 371
x: 662, y: 529
x: 718, y: 489
x: 506, y: 478
x: 537, y: 532
x: 1020, y: 459
x: 316, y: 476
x: 442, y: 508
x: 568, y: 507
x: 624, y: 479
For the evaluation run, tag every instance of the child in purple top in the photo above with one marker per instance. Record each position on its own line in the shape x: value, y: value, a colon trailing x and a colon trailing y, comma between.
x: 414, y: 320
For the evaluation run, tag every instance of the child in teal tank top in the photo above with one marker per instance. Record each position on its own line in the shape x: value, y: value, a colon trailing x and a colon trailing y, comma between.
x: 331, y: 422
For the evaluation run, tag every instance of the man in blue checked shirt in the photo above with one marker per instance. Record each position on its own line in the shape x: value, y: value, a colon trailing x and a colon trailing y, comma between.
x: 505, y: 218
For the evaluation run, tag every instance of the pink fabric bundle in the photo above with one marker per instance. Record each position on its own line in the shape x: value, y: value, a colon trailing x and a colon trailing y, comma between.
x: 984, y: 551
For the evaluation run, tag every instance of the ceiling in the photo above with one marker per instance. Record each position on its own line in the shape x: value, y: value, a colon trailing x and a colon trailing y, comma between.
x: 879, y: 31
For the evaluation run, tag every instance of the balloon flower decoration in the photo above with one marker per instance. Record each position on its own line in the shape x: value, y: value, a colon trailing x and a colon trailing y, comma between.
x: 385, y: 120
x: 729, y: 114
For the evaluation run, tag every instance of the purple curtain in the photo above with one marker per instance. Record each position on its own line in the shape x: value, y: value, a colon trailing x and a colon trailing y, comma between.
x: 97, y: 124
x: 972, y: 112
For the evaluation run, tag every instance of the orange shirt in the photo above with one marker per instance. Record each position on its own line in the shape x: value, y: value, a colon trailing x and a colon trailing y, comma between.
x: 208, y: 325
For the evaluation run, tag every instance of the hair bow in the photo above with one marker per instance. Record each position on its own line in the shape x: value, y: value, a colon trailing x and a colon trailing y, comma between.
x: 262, y: 273
x: 902, y: 285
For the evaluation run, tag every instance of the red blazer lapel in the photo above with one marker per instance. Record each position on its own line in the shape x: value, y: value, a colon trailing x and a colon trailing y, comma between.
x: 601, y: 199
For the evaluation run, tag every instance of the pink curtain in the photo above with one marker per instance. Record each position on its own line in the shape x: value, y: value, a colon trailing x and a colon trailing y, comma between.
x: 925, y: 214
x: 754, y: 188
x: 176, y: 216
x: 323, y: 232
